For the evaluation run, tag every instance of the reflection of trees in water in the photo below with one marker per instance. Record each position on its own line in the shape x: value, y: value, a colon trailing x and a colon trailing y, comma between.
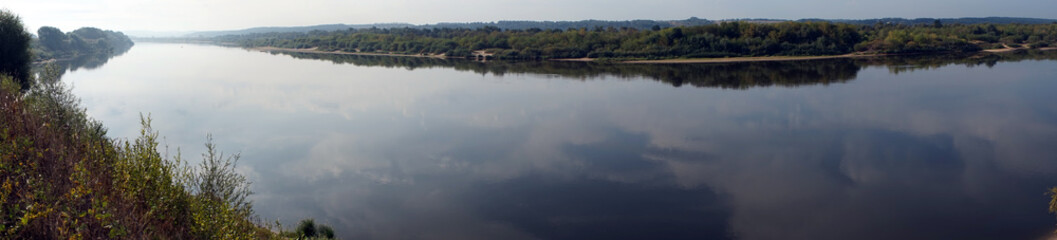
x: 88, y: 62
x: 742, y: 75
x: 94, y: 61
x: 897, y: 65
x: 726, y: 75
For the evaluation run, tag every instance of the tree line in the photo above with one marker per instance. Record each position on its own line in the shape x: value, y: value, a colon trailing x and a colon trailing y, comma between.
x: 519, y: 25
x: 52, y: 43
x: 726, y: 39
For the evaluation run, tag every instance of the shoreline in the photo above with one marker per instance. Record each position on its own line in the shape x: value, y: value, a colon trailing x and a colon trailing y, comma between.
x: 315, y: 50
x: 750, y: 59
x: 1010, y: 49
x: 659, y: 61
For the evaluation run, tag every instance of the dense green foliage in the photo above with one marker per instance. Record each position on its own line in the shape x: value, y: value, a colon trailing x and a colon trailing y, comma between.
x: 308, y: 229
x: 14, y: 48
x: 728, y: 39
x: 938, y: 37
x: 52, y: 43
x: 589, y: 24
x: 62, y: 178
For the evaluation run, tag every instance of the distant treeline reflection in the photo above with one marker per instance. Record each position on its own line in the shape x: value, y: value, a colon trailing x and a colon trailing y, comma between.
x: 739, y: 75
x: 88, y: 62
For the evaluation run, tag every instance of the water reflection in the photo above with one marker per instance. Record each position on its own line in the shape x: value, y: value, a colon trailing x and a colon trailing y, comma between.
x: 86, y: 62
x: 562, y: 151
x: 722, y: 75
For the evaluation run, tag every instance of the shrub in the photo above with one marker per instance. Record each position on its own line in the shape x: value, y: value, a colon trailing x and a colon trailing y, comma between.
x: 62, y: 178
x: 307, y: 228
x: 326, y: 232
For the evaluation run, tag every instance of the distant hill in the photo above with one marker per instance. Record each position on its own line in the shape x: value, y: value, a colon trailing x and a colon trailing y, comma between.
x: 154, y: 34
x: 325, y: 27
x: 591, y: 24
x: 916, y: 21
x: 520, y: 25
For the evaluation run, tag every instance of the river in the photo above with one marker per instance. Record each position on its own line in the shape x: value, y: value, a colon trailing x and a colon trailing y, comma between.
x: 419, y: 148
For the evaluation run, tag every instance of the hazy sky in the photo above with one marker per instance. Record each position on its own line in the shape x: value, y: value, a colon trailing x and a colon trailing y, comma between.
x: 190, y: 15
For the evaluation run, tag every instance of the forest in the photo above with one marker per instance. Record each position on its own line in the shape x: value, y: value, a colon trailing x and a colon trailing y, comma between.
x: 52, y: 43
x: 725, y: 39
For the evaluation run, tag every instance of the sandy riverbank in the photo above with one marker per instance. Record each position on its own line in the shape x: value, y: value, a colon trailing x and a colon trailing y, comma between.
x: 315, y: 50
x: 1010, y: 49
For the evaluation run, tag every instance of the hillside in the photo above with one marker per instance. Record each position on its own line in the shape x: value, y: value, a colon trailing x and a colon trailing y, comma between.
x: 517, y: 25
x: 919, y: 21
x: 302, y: 29
x: 591, y: 24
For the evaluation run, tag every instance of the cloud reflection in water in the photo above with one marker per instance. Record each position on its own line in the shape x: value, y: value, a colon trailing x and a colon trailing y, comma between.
x: 943, y: 153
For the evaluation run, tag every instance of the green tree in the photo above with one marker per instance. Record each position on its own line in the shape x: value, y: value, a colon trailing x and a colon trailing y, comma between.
x: 52, y: 39
x: 15, y: 57
x: 307, y: 228
x: 325, y: 231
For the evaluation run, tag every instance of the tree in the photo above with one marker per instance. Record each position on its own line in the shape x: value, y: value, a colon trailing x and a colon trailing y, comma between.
x: 15, y: 57
x: 325, y: 231
x: 307, y: 228
x: 51, y: 38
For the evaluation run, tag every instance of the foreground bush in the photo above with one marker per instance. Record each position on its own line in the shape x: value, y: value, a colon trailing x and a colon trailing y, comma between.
x: 308, y: 229
x: 62, y: 178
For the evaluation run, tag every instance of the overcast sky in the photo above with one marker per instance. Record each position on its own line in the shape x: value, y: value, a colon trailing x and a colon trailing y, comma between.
x: 196, y: 15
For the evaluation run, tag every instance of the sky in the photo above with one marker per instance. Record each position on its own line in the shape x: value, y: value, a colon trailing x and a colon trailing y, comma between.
x: 205, y: 15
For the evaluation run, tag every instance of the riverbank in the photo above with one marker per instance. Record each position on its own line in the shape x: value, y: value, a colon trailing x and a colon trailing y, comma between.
x: 788, y: 58
x: 692, y: 60
x: 316, y: 50
x: 659, y: 61
x: 1010, y: 49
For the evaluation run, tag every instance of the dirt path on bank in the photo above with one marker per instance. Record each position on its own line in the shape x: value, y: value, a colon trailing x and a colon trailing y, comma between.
x: 1007, y: 48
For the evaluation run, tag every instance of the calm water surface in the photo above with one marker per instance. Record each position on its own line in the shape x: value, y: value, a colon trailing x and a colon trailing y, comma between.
x: 385, y: 148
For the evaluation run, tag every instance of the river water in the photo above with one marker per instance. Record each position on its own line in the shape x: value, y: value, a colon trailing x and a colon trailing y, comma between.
x: 417, y: 148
